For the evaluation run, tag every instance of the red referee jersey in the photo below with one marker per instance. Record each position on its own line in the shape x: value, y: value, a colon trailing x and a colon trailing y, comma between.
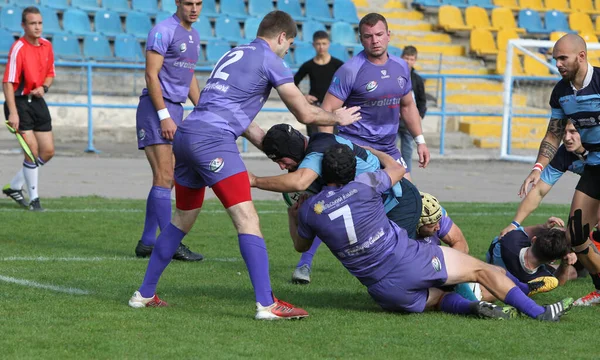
x: 29, y: 65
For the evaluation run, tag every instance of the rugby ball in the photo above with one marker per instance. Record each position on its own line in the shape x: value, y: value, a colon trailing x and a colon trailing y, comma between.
x: 291, y: 198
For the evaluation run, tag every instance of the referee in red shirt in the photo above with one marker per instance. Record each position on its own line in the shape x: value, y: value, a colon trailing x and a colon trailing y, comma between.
x: 27, y: 78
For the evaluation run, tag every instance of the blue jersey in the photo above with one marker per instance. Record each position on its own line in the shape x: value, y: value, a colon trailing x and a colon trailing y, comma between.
x: 582, y: 108
x: 563, y: 161
x: 365, y: 162
x: 351, y: 221
x: 237, y: 89
x: 445, y: 226
x: 377, y: 89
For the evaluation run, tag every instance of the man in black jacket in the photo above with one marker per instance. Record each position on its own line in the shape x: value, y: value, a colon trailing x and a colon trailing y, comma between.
x: 409, y: 54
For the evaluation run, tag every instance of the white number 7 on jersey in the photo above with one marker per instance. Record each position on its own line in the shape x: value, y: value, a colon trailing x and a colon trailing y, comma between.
x: 345, y: 212
x: 235, y: 57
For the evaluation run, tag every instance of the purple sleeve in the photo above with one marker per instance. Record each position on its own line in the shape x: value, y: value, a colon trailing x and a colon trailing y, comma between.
x: 304, y: 230
x: 341, y: 85
x: 445, y: 226
x: 159, y: 39
x: 278, y: 72
x: 379, y: 180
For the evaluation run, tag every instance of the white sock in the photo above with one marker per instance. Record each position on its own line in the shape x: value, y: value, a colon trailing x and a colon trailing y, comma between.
x: 31, y: 178
x: 18, y: 181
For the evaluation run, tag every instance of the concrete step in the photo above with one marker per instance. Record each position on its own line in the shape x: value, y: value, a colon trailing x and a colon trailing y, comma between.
x: 409, y: 25
x: 516, y: 143
x: 457, y: 84
x: 423, y: 36
x: 396, y: 16
x: 483, y: 99
x: 518, y: 130
x: 433, y: 48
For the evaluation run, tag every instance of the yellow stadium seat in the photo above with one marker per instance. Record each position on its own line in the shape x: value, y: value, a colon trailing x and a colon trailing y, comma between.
x: 597, y: 25
x: 450, y: 19
x: 503, y: 36
x: 535, y: 5
x: 482, y: 42
x: 581, y: 22
x: 503, y: 18
x: 584, y: 6
x: 517, y: 68
x: 535, y: 68
x: 555, y: 35
x: 594, y: 62
x: 510, y: 4
x: 477, y: 18
x: 591, y: 38
x: 560, y: 5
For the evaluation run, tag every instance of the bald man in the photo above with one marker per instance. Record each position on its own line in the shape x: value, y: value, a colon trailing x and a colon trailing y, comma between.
x: 576, y: 98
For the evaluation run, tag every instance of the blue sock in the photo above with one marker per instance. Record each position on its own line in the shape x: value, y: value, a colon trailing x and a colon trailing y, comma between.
x: 452, y: 303
x: 524, y: 304
x: 464, y: 290
x: 166, y: 245
x: 524, y: 287
x: 158, y: 213
x: 307, y: 257
x: 254, y: 252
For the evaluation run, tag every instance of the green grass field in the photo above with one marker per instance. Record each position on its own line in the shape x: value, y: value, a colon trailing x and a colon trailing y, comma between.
x: 81, y: 251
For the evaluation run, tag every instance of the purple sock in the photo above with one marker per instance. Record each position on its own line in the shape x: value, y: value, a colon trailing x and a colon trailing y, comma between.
x: 524, y: 287
x: 166, y: 245
x: 307, y: 257
x: 452, y: 303
x: 158, y: 213
x: 523, y: 303
x: 254, y: 252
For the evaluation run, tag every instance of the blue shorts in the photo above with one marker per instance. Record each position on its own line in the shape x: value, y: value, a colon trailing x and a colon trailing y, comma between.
x: 406, y: 287
x: 148, y: 124
x: 205, y: 159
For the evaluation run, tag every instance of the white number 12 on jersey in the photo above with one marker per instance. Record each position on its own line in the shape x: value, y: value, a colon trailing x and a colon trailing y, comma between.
x: 346, y: 214
x: 235, y: 57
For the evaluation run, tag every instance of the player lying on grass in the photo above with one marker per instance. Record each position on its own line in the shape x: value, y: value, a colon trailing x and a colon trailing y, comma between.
x: 302, y: 158
x: 399, y: 273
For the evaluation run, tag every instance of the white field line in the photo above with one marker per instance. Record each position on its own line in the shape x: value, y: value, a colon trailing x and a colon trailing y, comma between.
x: 29, y: 283
x: 95, y: 259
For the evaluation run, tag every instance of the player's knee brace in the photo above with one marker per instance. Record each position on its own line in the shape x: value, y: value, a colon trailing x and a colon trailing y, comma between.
x: 578, y: 231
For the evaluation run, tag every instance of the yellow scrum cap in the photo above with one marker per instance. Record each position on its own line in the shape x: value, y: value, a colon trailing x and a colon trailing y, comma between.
x: 432, y: 211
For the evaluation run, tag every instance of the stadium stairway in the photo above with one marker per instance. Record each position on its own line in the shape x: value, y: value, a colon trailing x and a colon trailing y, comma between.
x: 439, y: 53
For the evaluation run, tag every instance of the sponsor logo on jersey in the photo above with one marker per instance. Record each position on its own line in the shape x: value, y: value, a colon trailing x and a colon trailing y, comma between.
x: 371, y: 86
x: 141, y: 134
x: 384, y: 74
x: 191, y: 39
x: 436, y: 263
x: 401, y: 81
x: 182, y: 47
x: 216, y: 165
x: 318, y: 208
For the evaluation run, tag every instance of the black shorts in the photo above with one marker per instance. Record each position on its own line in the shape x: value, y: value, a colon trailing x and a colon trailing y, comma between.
x: 408, y: 211
x: 589, y: 183
x: 33, y: 115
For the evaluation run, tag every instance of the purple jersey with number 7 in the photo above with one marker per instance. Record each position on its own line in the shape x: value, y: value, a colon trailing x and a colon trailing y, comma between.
x: 237, y: 89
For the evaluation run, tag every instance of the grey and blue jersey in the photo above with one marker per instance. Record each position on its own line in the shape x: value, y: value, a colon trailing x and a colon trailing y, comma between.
x: 562, y: 162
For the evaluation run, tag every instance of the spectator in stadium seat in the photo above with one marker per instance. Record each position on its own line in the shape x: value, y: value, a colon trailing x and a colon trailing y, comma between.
x: 28, y: 76
x: 206, y: 154
x: 349, y: 217
x: 320, y: 70
x: 172, y: 51
x: 409, y: 54
x: 381, y: 84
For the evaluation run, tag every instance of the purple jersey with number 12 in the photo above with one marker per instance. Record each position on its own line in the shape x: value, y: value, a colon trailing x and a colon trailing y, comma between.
x: 351, y: 221
x: 237, y: 89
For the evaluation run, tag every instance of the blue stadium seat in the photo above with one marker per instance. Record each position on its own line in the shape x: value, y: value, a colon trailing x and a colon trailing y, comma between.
x: 259, y: 8
x: 303, y: 53
x: 204, y: 28
x: 426, y: 3
x: 251, y: 28
x: 556, y: 21
x: 228, y: 28
x: 234, y: 8
x: 145, y: 6
x: 343, y: 33
x: 339, y: 51
x: 127, y: 48
x: 291, y: 7
x: 461, y: 4
x: 344, y: 10
x: 318, y: 10
x: 10, y: 18
x: 162, y: 16
x: 23, y: 3
x: 309, y: 28
x: 394, y: 50
x: 530, y: 20
x: 209, y: 8
x: 96, y: 47
x: 359, y: 48
x: 289, y: 59
x: 50, y: 19
x: 66, y: 47
x: 216, y: 49
x: 170, y: 6
x: 87, y: 5
x: 138, y: 24
x: 77, y: 22
x: 55, y: 4
x: 108, y: 23
x: 6, y: 41
x: 486, y: 4
x: 120, y: 6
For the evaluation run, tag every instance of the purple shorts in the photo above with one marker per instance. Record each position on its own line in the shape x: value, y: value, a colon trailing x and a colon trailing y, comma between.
x: 406, y: 287
x: 148, y: 124
x: 205, y: 159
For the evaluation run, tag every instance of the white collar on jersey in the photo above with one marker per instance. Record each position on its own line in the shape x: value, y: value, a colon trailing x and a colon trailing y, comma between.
x: 587, y: 80
x: 522, y: 261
